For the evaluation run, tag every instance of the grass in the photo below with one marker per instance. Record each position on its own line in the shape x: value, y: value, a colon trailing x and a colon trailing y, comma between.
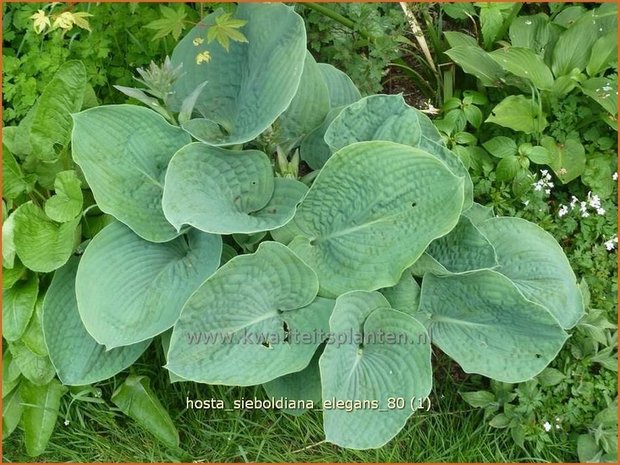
x: 450, y: 432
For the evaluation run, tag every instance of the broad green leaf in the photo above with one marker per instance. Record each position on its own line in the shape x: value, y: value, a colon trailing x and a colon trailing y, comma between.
x: 501, y: 146
x: 13, y: 181
x: 137, y: 400
x: 310, y: 105
x: 550, y: 377
x: 567, y: 160
x: 124, y: 151
x: 342, y: 90
x: 477, y: 62
x: 224, y: 191
x: 228, y: 253
x: 252, y: 83
x: 42, y: 244
x: 171, y: 23
x: 51, y: 124
x: 66, y: 203
x: 518, y: 113
x: 487, y: 326
x: 389, y: 118
x: 10, y: 276
x: 531, y: 32
x: 574, y: 46
x: 365, y: 367
x: 604, y: 53
x: 371, y: 212
x: 524, y: 63
x: 491, y: 21
x: 507, y: 168
x: 252, y: 313
x: 597, y: 175
x: 304, y: 385
x: 569, y: 15
x: 77, y: 357
x: 33, y: 336
x: 478, y: 213
x: 537, y: 154
x: 464, y: 248
x: 314, y: 150
x: 130, y: 290
x: 427, y: 264
x: 12, y: 410
x: 603, y: 91
x: 17, y: 307
x: 41, y: 404
x: 479, y: 399
x: 8, y: 241
x: 36, y: 368
x: 16, y: 139
x: 536, y: 263
x: 10, y: 374
x: 405, y: 295
x: 456, y: 39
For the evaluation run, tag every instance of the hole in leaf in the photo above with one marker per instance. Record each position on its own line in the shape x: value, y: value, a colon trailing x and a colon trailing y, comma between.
x: 537, y: 355
x: 286, y: 331
x: 266, y: 344
x: 413, y: 204
x: 312, y: 241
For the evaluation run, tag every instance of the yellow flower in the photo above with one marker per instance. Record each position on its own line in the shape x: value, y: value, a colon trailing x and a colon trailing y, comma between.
x: 197, y: 41
x: 203, y: 57
x: 40, y: 21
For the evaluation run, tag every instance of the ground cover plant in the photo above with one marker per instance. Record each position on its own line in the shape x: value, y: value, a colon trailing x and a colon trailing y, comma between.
x: 270, y: 230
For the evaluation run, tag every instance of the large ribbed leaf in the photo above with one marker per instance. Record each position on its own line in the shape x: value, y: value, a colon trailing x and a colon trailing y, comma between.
x: 124, y: 151
x: 77, y: 357
x: 42, y: 244
x: 366, y: 367
x: 342, y: 91
x: 389, y: 118
x: 309, y: 106
x: 129, y: 290
x: 314, y: 150
x: 484, y: 322
x: 371, y: 212
x: 405, y: 295
x: 536, y: 263
x: 250, y: 84
x: 249, y: 322
x: 224, y: 191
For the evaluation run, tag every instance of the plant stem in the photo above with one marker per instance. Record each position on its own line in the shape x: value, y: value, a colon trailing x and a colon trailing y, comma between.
x: 326, y: 11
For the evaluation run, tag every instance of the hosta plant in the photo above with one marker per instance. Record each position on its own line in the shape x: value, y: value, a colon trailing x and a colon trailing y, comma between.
x: 351, y: 274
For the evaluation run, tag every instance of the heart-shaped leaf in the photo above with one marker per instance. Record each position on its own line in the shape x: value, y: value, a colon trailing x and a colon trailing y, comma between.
x: 250, y: 84
x: 405, y: 295
x: 129, y: 290
x: 342, y: 90
x: 224, y: 191
x: 66, y: 203
x: 484, y: 322
x: 371, y: 212
x: 381, y: 354
x: 124, y: 151
x: 536, y: 263
x: 77, y: 357
x: 257, y: 311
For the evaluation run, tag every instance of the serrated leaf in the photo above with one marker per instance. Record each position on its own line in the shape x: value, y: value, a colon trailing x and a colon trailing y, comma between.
x: 172, y: 23
x: 66, y: 203
x: 358, y: 215
x: 225, y: 29
x: 137, y: 400
x: 124, y: 151
x: 76, y: 356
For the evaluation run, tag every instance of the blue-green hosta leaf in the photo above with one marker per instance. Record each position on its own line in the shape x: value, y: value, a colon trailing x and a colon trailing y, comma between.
x: 364, y: 366
x: 477, y: 62
x: 310, y: 104
x: 342, y: 91
x: 304, y: 385
x: 224, y: 191
x: 17, y: 307
x: 314, y: 150
x: 519, y: 113
x: 67, y: 201
x: 255, y: 313
x: 51, y: 124
x: 250, y: 84
x: 405, y: 295
x: 427, y: 264
x: 41, y: 405
x: 478, y: 213
x: 371, y: 212
x: 124, y: 151
x: 389, y: 118
x: 524, y: 63
x: 129, y: 290
x: 487, y: 326
x: 42, y: 244
x: 77, y: 357
x: 463, y: 249
x: 536, y: 263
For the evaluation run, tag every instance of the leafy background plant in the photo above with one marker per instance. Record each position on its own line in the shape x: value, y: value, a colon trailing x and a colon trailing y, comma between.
x: 584, y: 366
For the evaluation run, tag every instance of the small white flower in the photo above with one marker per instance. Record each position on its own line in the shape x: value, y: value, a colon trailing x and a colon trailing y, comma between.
x: 557, y: 426
x: 614, y: 176
x: 611, y: 243
x: 573, y: 201
x: 600, y: 211
x: 528, y: 22
x: 67, y: 422
x: 547, y: 191
x: 538, y: 186
x: 563, y: 210
x: 526, y: 202
x: 547, y: 426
